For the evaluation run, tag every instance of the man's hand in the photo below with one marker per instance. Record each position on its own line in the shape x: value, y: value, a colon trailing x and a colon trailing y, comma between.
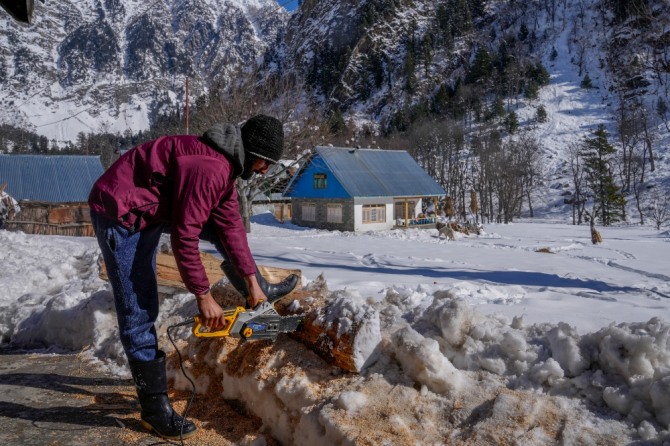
x: 256, y: 294
x: 211, y: 312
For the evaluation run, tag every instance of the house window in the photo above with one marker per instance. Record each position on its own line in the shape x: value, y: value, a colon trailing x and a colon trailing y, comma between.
x: 374, y: 213
x: 320, y: 180
x: 309, y: 212
x: 334, y: 213
x: 400, y: 209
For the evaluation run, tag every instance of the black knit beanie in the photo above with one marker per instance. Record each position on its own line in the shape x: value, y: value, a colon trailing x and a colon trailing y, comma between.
x: 263, y: 136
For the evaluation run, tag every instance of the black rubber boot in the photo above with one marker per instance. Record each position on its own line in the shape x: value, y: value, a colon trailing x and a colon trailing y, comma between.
x: 273, y: 291
x: 157, y: 412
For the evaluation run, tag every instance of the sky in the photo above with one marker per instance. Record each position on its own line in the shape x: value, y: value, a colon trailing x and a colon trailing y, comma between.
x: 578, y: 335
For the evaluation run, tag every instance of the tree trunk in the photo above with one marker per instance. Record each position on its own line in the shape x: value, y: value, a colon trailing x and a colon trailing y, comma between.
x: 530, y: 204
x: 245, y: 206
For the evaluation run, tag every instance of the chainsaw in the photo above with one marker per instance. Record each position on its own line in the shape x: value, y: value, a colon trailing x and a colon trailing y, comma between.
x: 263, y: 322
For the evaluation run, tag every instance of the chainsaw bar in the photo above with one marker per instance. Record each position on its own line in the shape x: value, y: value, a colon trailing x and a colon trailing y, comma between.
x: 288, y: 324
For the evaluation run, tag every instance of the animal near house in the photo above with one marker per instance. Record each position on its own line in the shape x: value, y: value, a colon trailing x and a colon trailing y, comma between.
x: 361, y: 190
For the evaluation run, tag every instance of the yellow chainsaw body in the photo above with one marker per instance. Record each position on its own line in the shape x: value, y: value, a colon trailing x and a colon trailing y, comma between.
x: 230, y: 315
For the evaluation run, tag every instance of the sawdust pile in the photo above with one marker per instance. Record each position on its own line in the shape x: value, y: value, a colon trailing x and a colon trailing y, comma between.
x: 283, y: 393
x: 287, y: 394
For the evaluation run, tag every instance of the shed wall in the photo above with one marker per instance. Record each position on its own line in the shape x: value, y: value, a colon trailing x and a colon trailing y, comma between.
x: 72, y: 219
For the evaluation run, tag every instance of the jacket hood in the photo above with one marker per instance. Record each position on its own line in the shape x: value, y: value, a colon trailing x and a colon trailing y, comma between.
x: 226, y: 139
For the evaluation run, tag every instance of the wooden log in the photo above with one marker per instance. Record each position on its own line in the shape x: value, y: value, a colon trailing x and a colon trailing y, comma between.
x: 348, y: 339
x: 344, y: 332
x: 168, y: 274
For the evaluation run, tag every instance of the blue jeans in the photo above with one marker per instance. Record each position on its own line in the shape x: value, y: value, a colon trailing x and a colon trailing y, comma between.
x: 130, y: 260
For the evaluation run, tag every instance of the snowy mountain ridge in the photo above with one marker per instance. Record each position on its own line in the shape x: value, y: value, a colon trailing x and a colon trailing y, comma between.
x: 104, y: 65
x: 109, y: 66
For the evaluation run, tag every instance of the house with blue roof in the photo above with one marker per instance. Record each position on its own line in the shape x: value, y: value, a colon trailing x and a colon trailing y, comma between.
x: 360, y: 190
x: 51, y: 191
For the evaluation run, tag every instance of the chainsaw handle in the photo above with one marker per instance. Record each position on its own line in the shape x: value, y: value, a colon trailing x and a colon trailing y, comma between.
x: 230, y: 316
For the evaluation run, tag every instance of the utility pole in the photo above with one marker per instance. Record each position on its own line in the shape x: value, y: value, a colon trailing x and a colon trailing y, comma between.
x: 187, y: 106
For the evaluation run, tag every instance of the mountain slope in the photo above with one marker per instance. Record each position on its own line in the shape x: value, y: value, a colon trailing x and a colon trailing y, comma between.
x: 104, y: 65
x: 382, y: 66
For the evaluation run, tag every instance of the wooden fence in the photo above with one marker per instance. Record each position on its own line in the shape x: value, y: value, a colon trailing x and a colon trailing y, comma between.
x: 45, y: 218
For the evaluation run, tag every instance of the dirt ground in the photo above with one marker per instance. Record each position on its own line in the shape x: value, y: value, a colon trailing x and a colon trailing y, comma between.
x: 58, y: 400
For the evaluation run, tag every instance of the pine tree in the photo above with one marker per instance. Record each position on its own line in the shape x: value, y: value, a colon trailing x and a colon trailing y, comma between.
x: 608, y: 201
x: 540, y: 74
x: 410, y: 75
x: 586, y: 82
x: 512, y: 122
x: 532, y: 91
x: 441, y: 100
x: 523, y: 32
x: 541, y: 114
x: 336, y: 123
x: 482, y: 66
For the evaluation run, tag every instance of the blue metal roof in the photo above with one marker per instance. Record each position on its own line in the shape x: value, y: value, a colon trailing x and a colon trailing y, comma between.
x: 377, y: 173
x: 55, y: 179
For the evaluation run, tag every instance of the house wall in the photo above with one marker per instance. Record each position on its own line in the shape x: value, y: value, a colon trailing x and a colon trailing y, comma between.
x: 321, y: 220
x: 359, y: 226
x: 304, y: 187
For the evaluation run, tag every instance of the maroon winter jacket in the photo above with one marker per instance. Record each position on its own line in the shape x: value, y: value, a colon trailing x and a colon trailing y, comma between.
x: 183, y: 181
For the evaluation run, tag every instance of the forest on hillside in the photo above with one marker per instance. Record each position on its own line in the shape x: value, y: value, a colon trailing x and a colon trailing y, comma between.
x: 466, y: 132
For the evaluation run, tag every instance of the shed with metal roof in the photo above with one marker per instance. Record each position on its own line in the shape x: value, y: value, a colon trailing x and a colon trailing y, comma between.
x: 360, y: 189
x: 54, y: 179
x: 52, y: 192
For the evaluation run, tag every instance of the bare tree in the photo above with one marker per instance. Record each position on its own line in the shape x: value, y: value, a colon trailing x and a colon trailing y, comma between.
x: 509, y: 181
x: 578, y: 200
x: 638, y: 164
x: 659, y: 207
x: 485, y: 146
x: 530, y: 164
x: 649, y: 134
x: 439, y: 147
x: 628, y: 126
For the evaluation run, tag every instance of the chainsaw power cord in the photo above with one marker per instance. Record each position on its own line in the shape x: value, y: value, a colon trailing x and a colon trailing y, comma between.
x: 181, y: 365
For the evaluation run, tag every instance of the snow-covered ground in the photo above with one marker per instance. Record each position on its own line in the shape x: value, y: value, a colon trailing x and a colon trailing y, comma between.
x: 484, y: 339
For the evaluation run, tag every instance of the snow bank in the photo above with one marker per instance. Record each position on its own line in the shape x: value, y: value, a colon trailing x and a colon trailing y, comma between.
x: 625, y: 367
x: 530, y: 380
